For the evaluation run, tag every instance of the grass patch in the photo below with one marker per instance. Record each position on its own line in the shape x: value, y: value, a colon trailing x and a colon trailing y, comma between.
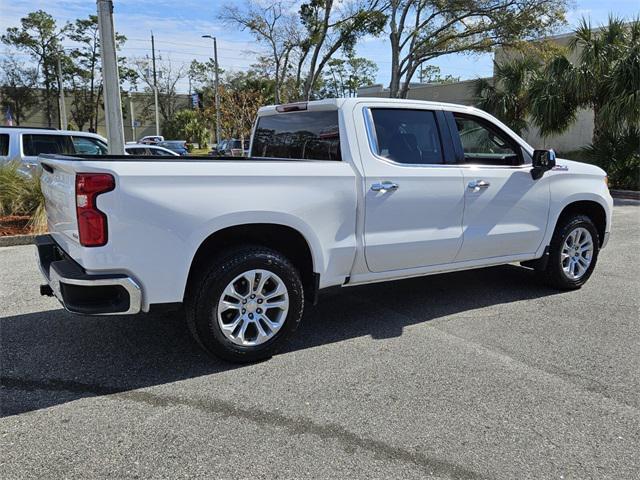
x: 200, y: 152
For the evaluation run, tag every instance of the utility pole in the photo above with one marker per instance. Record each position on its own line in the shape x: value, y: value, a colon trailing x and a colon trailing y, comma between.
x: 155, y: 99
x: 155, y: 83
x: 215, y: 61
x: 132, y: 114
x: 112, y: 101
x: 63, y: 108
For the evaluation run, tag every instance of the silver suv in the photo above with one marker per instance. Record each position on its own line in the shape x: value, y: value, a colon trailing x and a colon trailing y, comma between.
x: 24, y: 144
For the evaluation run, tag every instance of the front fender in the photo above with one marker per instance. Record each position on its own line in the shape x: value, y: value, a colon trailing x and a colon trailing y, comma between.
x: 567, y: 189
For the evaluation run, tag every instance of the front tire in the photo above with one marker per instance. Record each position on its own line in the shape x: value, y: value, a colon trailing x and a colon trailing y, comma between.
x: 573, y: 253
x: 246, y: 304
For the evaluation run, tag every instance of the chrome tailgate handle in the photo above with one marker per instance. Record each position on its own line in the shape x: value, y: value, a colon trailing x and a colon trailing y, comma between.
x: 384, y: 186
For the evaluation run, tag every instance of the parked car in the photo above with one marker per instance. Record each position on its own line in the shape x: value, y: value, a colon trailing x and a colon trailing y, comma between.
x: 231, y: 148
x: 24, y: 144
x: 218, y: 149
x: 151, y: 139
x: 335, y: 193
x: 146, y: 150
x: 178, y: 146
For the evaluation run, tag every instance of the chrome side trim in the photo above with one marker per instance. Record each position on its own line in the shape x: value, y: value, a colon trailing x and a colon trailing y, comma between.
x: 371, y: 132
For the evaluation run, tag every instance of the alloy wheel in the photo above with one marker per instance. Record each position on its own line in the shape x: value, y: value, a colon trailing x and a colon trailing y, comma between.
x: 253, y: 307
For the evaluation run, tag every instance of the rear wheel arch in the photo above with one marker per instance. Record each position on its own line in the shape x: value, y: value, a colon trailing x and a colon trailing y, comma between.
x: 281, y: 238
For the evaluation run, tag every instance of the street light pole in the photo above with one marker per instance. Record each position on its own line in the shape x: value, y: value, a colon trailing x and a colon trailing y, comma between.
x: 133, y: 118
x: 217, y: 92
x: 155, y: 84
x: 112, y: 101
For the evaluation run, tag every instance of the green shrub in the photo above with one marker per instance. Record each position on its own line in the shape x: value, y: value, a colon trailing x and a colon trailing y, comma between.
x: 13, y: 186
x: 21, y: 195
x: 619, y: 156
x: 187, y: 125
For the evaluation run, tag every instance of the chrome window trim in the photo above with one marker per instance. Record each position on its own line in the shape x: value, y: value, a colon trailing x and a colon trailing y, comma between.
x: 373, y: 141
x: 373, y: 149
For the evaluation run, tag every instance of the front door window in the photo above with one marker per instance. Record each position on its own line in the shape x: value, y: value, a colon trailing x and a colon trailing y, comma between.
x: 484, y: 144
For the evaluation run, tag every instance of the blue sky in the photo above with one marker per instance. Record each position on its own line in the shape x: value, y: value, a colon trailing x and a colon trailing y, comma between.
x: 178, y: 26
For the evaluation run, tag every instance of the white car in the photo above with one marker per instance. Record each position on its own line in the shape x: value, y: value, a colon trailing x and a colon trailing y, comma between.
x: 335, y: 193
x: 24, y: 144
x: 145, y: 150
x: 151, y: 139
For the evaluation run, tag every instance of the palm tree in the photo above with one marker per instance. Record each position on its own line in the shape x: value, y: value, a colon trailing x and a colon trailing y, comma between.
x: 507, y: 95
x: 605, y: 78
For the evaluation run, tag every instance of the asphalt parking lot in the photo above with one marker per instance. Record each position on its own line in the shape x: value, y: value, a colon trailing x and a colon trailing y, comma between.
x: 482, y: 374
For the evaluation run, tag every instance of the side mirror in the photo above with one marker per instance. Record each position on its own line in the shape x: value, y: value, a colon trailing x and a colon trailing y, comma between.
x: 543, y: 160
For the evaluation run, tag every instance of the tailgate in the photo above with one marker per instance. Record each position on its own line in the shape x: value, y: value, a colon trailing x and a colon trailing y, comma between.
x: 59, y: 188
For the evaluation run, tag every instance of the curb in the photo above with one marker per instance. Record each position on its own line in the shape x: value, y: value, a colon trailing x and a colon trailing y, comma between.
x: 15, y: 240
x: 627, y: 194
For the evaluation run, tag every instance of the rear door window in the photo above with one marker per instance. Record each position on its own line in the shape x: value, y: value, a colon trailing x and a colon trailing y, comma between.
x: 4, y: 144
x: 407, y: 136
x: 36, y: 144
x: 298, y: 135
x: 89, y: 146
x: 159, y: 152
x: 137, y: 151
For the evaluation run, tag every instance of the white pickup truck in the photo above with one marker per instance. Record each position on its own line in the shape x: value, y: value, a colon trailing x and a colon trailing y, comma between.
x: 335, y: 193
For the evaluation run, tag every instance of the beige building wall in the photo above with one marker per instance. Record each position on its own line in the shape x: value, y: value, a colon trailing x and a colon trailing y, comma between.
x: 576, y: 137
x: 459, y: 92
x: 146, y: 126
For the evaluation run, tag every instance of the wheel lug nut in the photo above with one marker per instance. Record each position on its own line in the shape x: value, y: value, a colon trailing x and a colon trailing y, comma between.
x: 259, y: 300
x: 244, y: 310
x: 244, y: 301
x: 253, y: 296
x: 251, y: 315
x: 259, y: 310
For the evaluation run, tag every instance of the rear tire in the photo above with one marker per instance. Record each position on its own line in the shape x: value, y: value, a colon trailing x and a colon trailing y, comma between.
x: 245, y: 305
x: 573, y: 253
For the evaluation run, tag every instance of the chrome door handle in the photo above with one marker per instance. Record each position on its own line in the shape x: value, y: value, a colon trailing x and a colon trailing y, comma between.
x: 384, y: 186
x: 478, y: 184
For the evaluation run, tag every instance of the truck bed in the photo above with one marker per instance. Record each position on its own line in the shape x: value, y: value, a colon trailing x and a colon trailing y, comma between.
x: 163, y: 208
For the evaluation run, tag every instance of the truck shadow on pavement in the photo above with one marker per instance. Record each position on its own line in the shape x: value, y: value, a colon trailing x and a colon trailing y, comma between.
x: 53, y: 357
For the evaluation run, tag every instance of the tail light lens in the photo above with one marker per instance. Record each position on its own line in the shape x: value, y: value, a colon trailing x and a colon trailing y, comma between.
x: 92, y: 223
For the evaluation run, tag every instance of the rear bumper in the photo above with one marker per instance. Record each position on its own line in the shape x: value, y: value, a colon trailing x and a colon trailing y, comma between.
x: 79, y: 292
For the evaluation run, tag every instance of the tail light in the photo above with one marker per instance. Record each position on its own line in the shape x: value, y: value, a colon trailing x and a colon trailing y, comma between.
x: 92, y: 223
